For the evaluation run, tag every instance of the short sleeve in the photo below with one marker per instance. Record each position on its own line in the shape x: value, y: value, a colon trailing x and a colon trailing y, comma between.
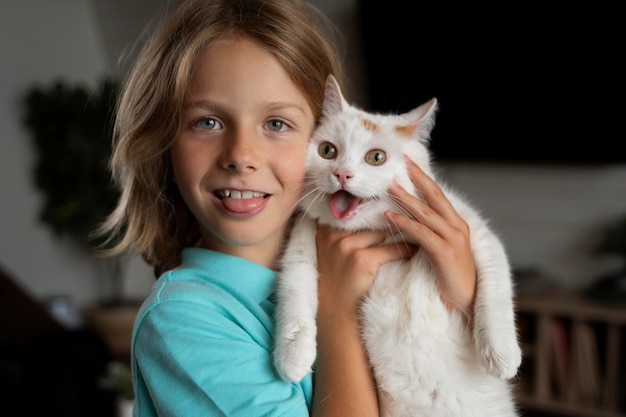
x: 194, y: 358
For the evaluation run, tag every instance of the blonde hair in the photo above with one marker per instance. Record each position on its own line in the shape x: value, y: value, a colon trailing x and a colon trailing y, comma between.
x: 151, y: 218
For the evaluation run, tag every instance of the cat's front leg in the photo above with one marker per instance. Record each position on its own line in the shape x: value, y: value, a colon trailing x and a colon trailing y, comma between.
x: 295, y: 347
x: 494, y: 326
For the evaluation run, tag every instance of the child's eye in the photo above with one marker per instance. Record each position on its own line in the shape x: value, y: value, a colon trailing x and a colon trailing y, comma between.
x: 207, y: 124
x: 276, y: 125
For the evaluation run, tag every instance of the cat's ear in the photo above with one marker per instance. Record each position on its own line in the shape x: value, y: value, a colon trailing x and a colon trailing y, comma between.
x: 424, y: 117
x: 334, y: 102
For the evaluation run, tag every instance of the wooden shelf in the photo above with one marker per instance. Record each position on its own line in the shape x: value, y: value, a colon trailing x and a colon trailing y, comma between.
x: 574, y: 355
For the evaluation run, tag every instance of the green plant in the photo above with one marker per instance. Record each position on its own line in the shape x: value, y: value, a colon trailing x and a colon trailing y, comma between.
x: 118, y: 380
x: 71, y: 128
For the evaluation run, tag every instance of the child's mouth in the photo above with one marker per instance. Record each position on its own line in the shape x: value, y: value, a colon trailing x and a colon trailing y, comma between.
x: 237, y: 201
x: 239, y: 195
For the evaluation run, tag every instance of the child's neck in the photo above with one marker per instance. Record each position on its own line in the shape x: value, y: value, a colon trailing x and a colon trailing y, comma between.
x: 264, y: 253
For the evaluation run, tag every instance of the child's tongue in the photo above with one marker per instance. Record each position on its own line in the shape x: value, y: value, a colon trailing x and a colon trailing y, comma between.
x: 242, y: 205
x: 342, y: 204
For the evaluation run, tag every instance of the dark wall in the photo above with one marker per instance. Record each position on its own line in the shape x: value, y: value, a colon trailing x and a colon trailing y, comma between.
x: 532, y: 81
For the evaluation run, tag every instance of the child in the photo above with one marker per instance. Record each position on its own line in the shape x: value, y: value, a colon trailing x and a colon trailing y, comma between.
x: 211, y: 134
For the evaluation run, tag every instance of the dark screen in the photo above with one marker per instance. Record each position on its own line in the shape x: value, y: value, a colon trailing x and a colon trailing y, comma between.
x: 516, y: 81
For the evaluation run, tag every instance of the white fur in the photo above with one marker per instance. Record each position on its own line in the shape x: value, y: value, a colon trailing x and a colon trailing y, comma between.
x: 426, y: 359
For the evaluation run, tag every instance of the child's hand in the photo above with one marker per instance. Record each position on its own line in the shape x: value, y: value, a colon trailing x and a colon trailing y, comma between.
x: 348, y: 263
x: 438, y: 229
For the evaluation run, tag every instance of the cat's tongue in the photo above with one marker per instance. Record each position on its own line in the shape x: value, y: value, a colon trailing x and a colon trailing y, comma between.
x: 342, y: 204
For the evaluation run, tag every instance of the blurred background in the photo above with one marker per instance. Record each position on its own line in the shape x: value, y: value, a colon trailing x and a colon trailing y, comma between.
x: 528, y: 129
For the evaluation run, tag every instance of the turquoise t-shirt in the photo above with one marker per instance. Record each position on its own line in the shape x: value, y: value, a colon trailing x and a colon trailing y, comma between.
x: 202, y: 344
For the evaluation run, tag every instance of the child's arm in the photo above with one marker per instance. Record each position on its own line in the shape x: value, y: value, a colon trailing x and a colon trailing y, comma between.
x: 347, y: 263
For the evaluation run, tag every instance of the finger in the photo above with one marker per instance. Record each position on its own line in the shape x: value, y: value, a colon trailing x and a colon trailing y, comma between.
x: 397, y: 250
x: 436, y: 211
x: 431, y: 191
x: 418, y: 212
x: 390, y: 252
x: 350, y: 240
x: 415, y: 232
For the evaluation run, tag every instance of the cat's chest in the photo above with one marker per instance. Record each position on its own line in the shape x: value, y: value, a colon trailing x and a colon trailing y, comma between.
x: 402, y: 290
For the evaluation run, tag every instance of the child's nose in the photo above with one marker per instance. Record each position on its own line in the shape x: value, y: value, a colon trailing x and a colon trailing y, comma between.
x: 243, y: 151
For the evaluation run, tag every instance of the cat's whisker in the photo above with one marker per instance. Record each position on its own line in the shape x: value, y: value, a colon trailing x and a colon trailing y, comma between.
x: 396, y: 203
x: 392, y: 227
x: 316, y: 196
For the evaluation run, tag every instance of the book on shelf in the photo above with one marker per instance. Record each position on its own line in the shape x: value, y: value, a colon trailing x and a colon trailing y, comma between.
x: 588, y: 376
x: 562, y: 361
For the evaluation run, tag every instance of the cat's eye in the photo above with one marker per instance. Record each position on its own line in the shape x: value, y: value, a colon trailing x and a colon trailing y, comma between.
x: 376, y: 157
x: 327, y: 150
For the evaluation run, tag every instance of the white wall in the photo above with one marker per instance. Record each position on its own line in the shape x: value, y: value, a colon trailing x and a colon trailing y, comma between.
x: 549, y: 216
x: 41, y: 41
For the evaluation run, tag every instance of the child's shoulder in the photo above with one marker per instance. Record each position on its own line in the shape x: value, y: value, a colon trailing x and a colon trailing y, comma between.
x: 184, y: 284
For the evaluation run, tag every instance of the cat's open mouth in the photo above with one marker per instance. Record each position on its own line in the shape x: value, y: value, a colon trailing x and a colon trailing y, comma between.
x: 344, y: 205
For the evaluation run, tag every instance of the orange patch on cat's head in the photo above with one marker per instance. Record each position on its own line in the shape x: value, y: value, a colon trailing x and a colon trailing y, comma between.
x: 407, y: 130
x: 369, y: 125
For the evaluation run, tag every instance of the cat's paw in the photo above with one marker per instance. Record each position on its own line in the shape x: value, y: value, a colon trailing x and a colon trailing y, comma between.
x: 295, y: 352
x: 500, y: 357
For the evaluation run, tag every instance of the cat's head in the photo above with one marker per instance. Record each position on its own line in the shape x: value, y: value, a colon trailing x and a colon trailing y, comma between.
x: 354, y: 156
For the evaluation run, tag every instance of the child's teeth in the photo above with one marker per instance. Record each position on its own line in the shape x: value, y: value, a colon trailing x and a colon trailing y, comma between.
x: 237, y: 195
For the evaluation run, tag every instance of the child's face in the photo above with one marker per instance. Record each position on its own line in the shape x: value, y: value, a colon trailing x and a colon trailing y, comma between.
x: 239, y: 160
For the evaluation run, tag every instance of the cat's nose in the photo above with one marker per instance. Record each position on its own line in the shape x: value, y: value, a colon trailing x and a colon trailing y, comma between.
x: 343, y: 176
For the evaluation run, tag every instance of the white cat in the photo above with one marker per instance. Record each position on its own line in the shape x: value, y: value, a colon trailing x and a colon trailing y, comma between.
x: 427, y: 360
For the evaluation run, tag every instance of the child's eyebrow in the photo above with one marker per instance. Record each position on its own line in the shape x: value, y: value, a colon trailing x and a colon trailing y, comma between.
x: 280, y: 105
x: 269, y: 106
x: 205, y: 104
